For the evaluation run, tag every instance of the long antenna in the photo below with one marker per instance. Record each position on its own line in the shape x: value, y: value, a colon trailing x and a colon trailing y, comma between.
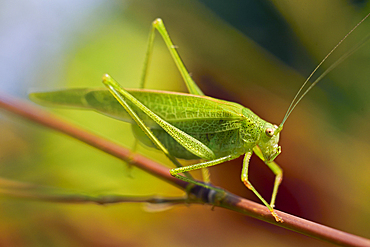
x: 298, y: 98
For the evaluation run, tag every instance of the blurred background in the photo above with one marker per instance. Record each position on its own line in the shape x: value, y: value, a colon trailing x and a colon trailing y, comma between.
x: 257, y: 53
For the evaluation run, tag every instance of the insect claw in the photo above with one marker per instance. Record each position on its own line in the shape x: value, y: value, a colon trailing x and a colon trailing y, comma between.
x: 277, y: 217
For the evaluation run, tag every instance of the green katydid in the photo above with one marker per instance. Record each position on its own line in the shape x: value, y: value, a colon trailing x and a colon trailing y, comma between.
x: 188, y: 126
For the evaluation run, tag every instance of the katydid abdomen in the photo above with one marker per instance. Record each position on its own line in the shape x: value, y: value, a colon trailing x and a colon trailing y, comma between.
x: 221, y: 143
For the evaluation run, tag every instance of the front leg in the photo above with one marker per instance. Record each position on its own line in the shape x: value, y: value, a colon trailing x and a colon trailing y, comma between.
x: 244, y: 178
x: 275, y: 168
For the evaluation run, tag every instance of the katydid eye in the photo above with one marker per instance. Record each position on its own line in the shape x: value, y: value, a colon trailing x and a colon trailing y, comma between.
x: 269, y: 132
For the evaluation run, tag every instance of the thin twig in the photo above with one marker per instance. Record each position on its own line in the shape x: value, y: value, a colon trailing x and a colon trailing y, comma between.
x: 82, y: 198
x: 230, y: 201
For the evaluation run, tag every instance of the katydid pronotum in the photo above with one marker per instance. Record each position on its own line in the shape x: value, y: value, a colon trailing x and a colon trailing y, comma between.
x: 189, y: 126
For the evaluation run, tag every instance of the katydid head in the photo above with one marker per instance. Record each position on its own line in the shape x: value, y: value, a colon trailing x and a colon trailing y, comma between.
x: 269, y: 142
